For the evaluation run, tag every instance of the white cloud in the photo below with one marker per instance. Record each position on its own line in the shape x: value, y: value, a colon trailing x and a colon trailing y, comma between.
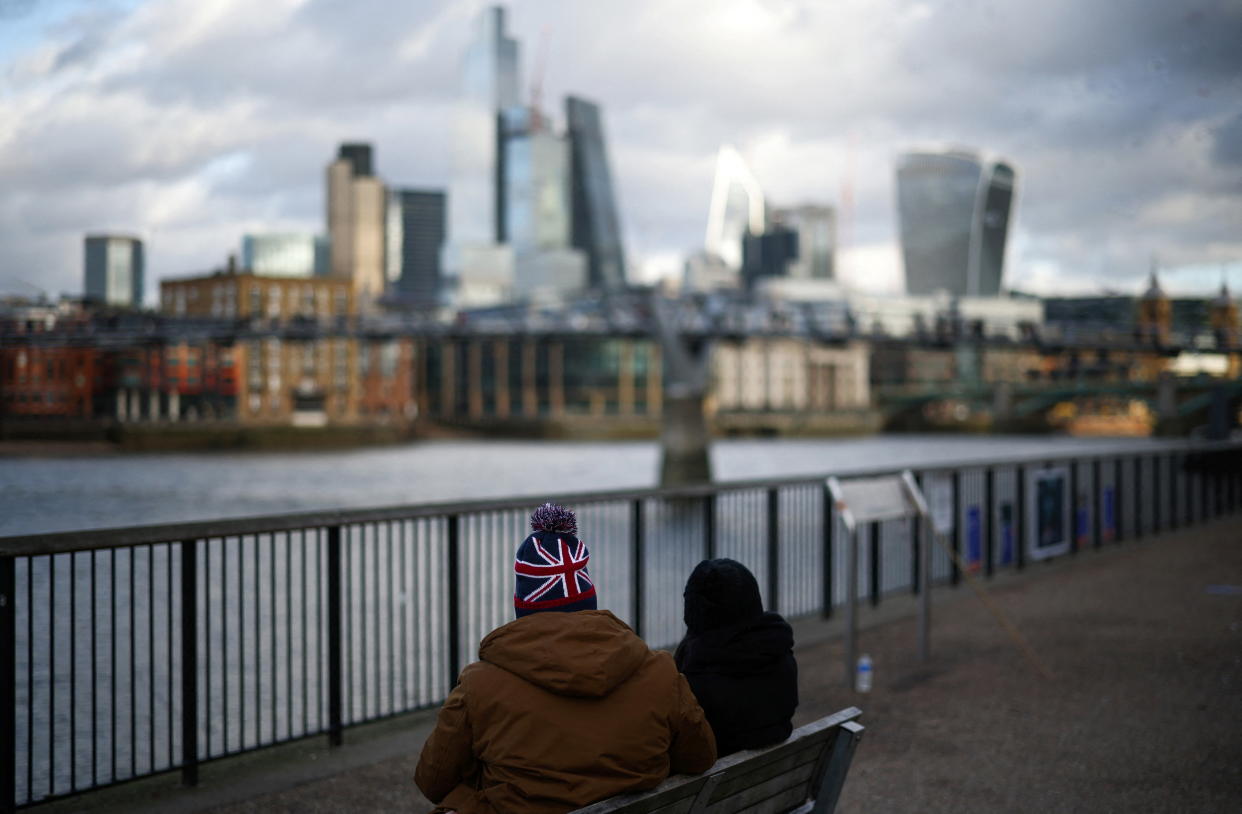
x: 195, y: 120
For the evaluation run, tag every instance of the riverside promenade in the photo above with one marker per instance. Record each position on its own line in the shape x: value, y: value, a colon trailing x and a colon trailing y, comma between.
x: 1144, y: 640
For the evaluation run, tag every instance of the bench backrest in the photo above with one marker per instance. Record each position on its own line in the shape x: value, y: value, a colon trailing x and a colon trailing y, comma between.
x: 803, y: 774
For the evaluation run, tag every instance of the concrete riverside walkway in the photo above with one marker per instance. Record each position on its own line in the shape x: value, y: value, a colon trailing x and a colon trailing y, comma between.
x: 1144, y: 712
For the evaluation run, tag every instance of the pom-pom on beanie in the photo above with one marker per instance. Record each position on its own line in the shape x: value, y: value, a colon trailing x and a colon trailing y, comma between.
x: 550, y: 569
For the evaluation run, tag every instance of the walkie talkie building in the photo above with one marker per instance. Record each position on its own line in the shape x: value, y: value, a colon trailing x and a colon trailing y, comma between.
x: 954, y: 209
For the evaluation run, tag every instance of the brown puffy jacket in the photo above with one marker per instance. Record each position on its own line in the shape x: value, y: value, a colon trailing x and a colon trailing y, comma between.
x: 561, y: 710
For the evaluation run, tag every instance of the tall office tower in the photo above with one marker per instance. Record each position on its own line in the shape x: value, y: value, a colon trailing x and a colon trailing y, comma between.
x: 490, y: 83
x: 596, y: 225
x: 535, y: 209
x: 356, y: 221
x: 286, y: 254
x: 415, y: 237
x: 114, y: 266
x: 737, y: 208
x: 954, y: 209
x: 816, y: 227
x: 769, y: 254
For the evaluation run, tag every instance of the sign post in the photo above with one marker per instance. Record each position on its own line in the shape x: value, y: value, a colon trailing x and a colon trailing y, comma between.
x: 868, y: 500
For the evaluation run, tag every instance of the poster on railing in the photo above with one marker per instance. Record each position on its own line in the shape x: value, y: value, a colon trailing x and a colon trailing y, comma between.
x: 939, y: 491
x: 974, y: 540
x: 1048, y: 533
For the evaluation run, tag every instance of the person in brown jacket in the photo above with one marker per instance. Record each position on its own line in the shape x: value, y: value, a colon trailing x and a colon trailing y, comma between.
x: 566, y: 705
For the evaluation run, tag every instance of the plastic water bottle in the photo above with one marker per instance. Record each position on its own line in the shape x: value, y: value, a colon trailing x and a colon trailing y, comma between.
x: 862, y: 674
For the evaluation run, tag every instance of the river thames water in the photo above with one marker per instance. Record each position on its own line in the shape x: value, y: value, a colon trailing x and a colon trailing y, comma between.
x: 42, y: 494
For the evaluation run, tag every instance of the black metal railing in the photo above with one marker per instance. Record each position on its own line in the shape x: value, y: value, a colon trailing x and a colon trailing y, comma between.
x: 136, y: 651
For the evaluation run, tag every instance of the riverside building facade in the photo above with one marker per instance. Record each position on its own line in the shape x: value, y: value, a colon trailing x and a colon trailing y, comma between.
x: 243, y: 295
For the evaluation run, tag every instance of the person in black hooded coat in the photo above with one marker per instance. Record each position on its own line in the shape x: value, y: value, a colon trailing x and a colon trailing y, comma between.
x: 737, y: 658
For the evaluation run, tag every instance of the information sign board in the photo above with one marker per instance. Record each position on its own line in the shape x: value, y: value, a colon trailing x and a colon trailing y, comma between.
x: 866, y: 500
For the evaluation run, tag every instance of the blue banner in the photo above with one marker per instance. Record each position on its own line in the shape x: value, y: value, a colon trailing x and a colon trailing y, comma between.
x: 974, y: 539
x: 1108, y: 524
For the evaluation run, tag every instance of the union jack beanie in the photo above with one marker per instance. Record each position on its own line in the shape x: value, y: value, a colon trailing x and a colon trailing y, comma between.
x: 550, y: 569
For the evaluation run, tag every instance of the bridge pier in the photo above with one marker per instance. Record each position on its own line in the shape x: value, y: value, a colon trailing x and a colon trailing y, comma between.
x: 684, y: 453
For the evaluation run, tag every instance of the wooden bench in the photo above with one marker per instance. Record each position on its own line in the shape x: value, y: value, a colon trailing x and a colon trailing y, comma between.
x: 804, y: 774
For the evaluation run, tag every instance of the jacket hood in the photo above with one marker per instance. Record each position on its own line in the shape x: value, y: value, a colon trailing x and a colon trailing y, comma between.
x: 721, y: 593
x: 585, y: 653
x: 741, y: 649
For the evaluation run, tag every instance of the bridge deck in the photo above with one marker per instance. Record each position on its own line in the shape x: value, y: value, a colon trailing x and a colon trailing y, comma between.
x: 1142, y: 714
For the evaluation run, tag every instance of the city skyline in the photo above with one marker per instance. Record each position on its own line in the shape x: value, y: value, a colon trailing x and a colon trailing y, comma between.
x: 1126, y: 132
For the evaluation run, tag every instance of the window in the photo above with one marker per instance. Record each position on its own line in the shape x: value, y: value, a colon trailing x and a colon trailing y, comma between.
x: 340, y: 372
x: 308, y: 358
x: 254, y: 366
x: 389, y: 353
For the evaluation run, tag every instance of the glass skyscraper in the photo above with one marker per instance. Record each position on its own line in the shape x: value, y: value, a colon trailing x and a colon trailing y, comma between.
x: 114, y: 268
x: 491, y: 80
x: 414, y: 238
x: 535, y: 213
x: 816, y: 228
x: 954, y: 209
x: 285, y: 254
x: 534, y: 183
x: 596, y: 224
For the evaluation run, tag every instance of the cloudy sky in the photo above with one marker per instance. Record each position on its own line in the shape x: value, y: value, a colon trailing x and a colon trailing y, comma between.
x: 190, y: 122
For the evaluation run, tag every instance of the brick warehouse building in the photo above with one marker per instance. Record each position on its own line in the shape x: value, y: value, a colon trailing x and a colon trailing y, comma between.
x: 48, y: 382
x: 271, y: 380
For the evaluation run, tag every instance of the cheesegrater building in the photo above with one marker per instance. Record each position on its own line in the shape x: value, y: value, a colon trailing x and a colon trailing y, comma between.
x: 596, y: 225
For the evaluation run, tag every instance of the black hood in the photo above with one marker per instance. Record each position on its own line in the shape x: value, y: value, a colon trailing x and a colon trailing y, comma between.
x: 721, y: 594
x: 743, y: 649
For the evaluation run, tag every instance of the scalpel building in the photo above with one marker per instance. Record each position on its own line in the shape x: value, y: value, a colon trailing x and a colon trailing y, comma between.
x: 954, y: 208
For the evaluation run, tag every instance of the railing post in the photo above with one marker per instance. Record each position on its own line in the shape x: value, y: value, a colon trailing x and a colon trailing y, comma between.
x: 335, y: 613
x: 989, y: 518
x: 8, y: 683
x: 453, y: 533
x: 1019, y: 514
x: 1219, y: 478
x: 1188, y: 492
x: 955, y: 573
x: 1074, y: 507
x: 874, y: 537
x: 826, y: 569
x: 636, y: 563
x: 189, y: 662
x: 1097, y: 499
x: 1156, y: 496
x: 1138, y: 497
x: 774, y: 549
x: 1174, y: 508
x: 709, y: 526
x: 1119, y: 525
